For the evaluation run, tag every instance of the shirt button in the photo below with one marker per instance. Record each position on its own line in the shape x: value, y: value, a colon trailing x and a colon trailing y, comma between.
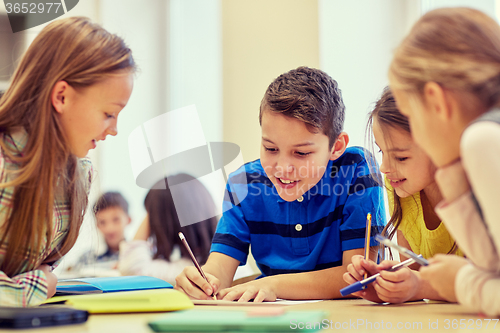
x: 298, y: 227
x: 300, y: 199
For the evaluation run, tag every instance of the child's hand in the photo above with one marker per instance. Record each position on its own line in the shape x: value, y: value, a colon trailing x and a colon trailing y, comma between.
x: 441, y: 274
x: 396, y: 287
x: 258, y: 290
x: 359, y: 266
x: 192, y: 283
x: 51, y: 279
x: 356, y: 271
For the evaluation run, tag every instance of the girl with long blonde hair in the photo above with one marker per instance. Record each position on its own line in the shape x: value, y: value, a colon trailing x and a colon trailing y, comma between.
x: 64, y: 96
x: 445, y: 77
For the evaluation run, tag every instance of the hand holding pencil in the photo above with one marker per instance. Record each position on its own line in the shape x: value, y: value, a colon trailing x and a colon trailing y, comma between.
x: 196, y: 276
x: 392, y: 281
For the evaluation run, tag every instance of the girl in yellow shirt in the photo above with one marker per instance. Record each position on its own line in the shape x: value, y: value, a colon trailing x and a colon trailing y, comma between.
x: 413, y: 194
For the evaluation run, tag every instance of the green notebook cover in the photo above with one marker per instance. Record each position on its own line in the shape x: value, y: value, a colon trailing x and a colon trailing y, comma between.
x: 239, y: 321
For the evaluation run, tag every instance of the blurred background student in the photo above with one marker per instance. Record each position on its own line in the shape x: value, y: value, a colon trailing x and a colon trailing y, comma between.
x: 112, y: 218
x: 156, y: 249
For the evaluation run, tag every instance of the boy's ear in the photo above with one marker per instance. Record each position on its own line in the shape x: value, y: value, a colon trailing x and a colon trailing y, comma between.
x: 437, y: 101
x: 129, y: 220
x: 59, y: 96
x: 339, y: 146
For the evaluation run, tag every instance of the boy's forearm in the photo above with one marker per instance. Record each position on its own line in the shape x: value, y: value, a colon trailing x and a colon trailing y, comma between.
x: 221, y: 266
x: 215, y: 270
x: 323, y: 284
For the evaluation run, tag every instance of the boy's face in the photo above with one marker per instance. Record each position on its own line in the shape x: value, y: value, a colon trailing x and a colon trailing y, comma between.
x: 293, y: 158
x: 112, y: 222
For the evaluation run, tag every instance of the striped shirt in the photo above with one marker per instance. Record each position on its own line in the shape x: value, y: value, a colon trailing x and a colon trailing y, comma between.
x: 30, y: 287
x: 300, y: 236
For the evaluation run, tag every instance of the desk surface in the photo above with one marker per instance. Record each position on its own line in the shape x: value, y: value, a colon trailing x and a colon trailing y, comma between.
x: 344, y: 315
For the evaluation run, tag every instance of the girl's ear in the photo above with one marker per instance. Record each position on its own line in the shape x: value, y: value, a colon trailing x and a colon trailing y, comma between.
x: 340, y: 146
x: 59, y: 96
x: 436, y: 100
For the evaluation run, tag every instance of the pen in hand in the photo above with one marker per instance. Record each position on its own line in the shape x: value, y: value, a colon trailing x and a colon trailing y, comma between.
x: 360, y: 285
x: 193, y: 258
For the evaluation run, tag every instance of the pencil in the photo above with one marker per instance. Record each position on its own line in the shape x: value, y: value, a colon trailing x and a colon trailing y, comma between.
x: 367, y: 238
x: 193, y: 258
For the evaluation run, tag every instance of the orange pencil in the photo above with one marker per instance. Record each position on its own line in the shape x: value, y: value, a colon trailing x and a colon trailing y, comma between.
x: 367, y: 238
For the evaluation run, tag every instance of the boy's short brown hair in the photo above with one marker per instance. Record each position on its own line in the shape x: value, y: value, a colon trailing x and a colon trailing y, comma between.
x: 110, y: 199
x: 309, y: 95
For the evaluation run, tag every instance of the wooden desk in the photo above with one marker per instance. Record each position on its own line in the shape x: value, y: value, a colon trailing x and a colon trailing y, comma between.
x: 344, y: 316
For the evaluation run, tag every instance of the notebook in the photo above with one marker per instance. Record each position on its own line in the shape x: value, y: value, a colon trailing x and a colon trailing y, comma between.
x: 109, y: 284
x: 239, y: 321
x: 154, y: 300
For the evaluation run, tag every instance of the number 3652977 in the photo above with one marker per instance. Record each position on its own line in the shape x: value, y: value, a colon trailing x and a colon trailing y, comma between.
x: 32, y: 8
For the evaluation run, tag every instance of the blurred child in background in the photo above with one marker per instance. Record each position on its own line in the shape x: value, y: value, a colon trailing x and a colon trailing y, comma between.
x: 111, y: 215
x: 164, y: 256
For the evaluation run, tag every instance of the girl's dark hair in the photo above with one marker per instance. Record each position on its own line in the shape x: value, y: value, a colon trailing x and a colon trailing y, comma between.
x: 164, y: 220
x: 387, y: 114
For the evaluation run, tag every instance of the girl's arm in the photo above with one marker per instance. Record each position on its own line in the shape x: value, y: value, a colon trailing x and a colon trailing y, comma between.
x: 27, y: 289
x: 144, y: 230
x: 476, y: 231
x: 136, y: 259
x: 478, y: 236
x: 403, y: 242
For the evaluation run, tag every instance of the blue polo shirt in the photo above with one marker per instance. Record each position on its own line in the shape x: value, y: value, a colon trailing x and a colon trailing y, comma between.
x: 307, y: 234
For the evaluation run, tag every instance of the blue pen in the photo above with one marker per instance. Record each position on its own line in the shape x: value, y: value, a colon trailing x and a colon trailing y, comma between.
x: 402, y: 250
x: 360, y: 285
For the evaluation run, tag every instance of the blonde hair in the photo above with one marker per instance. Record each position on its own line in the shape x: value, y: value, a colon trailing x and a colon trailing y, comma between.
x: 458, y: 48
x: 81, y: 53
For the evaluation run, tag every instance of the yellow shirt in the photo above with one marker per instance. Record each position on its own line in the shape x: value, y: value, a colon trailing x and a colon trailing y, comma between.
x: 422, y: 240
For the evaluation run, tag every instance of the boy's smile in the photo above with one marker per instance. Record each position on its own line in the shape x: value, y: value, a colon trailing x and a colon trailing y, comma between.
x: 293, y: 158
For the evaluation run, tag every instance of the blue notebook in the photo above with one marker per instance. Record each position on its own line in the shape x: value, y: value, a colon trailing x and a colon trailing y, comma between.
x: 109, y: 285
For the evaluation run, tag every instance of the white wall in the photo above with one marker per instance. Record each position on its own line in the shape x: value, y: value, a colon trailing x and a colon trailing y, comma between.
x: 195, y: 65
x: 356, y: 43
x: 195, y: 68
x: 144, y: 30
x: 486, y: 6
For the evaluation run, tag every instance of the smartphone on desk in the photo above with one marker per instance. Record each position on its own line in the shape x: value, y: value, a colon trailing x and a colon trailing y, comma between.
x: 40, y: 316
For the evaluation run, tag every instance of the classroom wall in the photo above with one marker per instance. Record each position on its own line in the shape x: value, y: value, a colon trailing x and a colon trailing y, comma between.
x: 261, y: 39
x: 356, y: 43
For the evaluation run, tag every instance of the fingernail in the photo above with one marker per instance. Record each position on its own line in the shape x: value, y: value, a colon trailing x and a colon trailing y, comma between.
x: 208, y: 291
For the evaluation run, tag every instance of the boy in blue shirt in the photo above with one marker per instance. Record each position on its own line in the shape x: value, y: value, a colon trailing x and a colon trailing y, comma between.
x: 302, y: 207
